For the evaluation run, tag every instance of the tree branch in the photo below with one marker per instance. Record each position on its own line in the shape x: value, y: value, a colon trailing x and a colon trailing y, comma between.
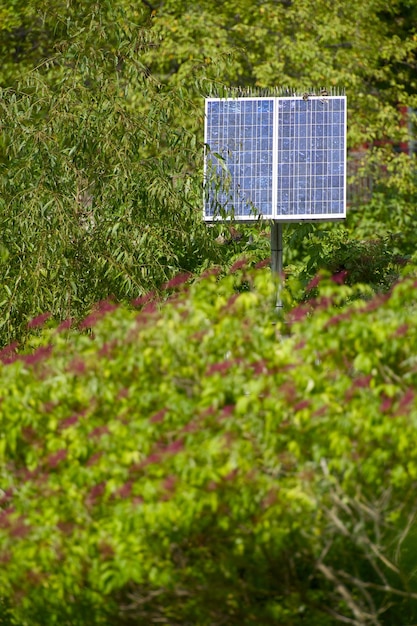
x: 148, y: 4
x: 360, y: 616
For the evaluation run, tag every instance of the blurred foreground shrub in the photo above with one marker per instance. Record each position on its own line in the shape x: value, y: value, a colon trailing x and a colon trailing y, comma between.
x: 204, y: 462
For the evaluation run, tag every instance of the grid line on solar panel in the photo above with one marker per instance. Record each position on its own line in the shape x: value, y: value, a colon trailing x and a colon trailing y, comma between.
x: 241, y: 133
x: 311, y: 161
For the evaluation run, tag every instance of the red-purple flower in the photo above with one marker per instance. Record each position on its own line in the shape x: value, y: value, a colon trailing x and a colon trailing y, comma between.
x: 320, y: 412
x: 177, y: 281
x: 198, y: 336
x: 34, y: 578
x: 299, y: 313
x: 40, y: 354
x: 230, y: 302
x: 123, y: 393
x: 69, y: 421
x: 158, y: 417
x: 100, y: 309
x: 170, y: 483
x: 300, y: 345
x: 314, y: 282
x: 76, y: 366
x: 219, y: 368
x: 26, y: 475
x: 106, y: 550
x: 157, y: 455
x: 229, y: 438
x: 89, y: 321
x: 238, y: 265
x: 340, y: 277
x: 265, y: 263
x: 39, y: 320
x: 191, y: 427
x: 323, y: 302
x: 105, y: 306
x: 98, y: 431
x: 289, y: 391
x: 144, y: 299
x: 303, y: 404
x: 152, y: 459
x: 18, y: 528
x: 93, y: 459
x: 406, y: 400
x: 227, y: 410
x: 107, y: 349
x: 362, y: 382
x: 150, y: 308
x: 6, y: 496
x: 231, y: 475
x: 174, y: 446
x: 49, y: 406
x: 401, y: 330
x: 54, y: 459
x: 96, y: 492
x: 386, y: 404
x: 336, y: 319
x: 212, y: 271
x: 270, y: 499
x: 65, y: 325
x: 375, y: 303
x: 5, y: 557
x: 29, y: 434
x: 259, y: 367
x: 125, y: 491
x: 8, y: 353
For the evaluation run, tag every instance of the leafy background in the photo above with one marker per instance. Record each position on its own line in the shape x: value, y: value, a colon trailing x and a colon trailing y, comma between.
x: 171, y: 450
x: 101, y: 137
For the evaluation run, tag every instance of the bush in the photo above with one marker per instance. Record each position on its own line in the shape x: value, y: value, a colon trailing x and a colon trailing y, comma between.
x: 375, y: 262
x: 202, y: 462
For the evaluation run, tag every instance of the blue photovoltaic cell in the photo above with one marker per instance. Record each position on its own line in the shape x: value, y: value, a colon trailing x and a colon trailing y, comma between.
x: 311, y: 157
x: 239, y: 139
x: 282, y: 158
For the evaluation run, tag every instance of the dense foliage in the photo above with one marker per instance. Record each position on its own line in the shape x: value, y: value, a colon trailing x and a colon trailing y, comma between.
x: 196, y: 459
x: 368, y: 49
x: 86, y: 212
x: 101, y: 135
x: 94, y: 197
x: 202, y: 462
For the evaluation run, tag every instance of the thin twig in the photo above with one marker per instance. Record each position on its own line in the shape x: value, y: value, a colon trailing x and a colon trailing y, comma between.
x: 361, y: 616
x: 387, y: 588
x: 410, y: 523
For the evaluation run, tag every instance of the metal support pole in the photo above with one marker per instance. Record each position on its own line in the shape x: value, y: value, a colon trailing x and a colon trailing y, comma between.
x: 276, y: 259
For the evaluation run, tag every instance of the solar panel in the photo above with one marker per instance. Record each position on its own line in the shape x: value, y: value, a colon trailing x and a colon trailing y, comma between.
x: 282, y: 158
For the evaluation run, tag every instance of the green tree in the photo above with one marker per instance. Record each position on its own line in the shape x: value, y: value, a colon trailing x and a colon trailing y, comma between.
x: 97, y: 198
x: 368, y: 49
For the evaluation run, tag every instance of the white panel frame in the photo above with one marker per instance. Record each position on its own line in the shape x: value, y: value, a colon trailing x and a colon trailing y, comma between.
x: 319, y: 217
